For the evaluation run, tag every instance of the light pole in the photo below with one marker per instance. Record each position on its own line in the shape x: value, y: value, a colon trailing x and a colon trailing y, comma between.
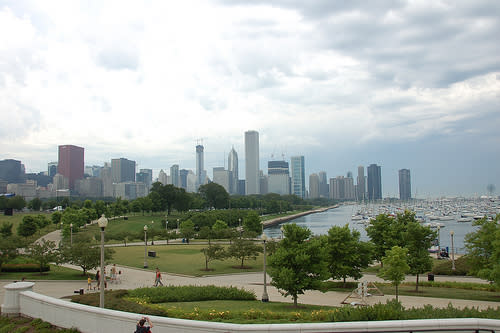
x: 265, y: 297
x: 102, y: 222
x: 153, y: 235
x: 71, y: 233
x: 282, y: 232
x: 145, y: 246
x: 239, y: 222
x: 61, y: 225
x: 452, y: 251
x: 166, y: 229
x: 177, y: 224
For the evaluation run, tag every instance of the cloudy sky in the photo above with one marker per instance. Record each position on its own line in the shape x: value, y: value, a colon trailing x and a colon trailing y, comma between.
x: 404, y: 84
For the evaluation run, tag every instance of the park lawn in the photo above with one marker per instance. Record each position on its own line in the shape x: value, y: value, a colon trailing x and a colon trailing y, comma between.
x: 440, y: 292
x: 184, y: 259
x: 134, y: 223
x: 17, y: 218
x: 55, y: 273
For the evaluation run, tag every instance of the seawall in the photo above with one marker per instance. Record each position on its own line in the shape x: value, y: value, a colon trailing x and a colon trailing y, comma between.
x: 287, y: 218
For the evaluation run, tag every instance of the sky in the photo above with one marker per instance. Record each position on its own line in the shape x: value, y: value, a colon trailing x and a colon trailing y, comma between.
x: 403, y: 84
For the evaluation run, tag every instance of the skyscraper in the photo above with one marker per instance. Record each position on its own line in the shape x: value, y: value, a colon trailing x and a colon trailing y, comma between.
x: 313, y: 186
x: 175, y: 175
x: 122, y: 170
x: 200, y: 167
x: 223, y: 178
x: 298, y: 176
x: 71, y: 163
x: 51, y: 169
x: 232, y: 165
x: 183, y: 173
x: 361, y: 183
x: 374, y: 182
x: 404, y: 184
x: 252, y: 177
x: 278, y: 180
x: 323, y: 184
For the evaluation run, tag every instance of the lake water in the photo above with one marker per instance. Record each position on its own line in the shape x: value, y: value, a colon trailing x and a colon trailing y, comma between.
x: 320, y: 223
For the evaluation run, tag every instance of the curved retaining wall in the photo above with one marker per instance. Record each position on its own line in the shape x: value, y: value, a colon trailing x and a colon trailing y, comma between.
x: 96, y: 320
x: 279, y: 220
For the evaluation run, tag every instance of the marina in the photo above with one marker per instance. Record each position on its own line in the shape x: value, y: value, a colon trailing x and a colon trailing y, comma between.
x: 446, y: 216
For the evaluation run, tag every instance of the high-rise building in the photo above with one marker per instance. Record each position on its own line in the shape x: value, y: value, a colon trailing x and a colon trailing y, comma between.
x: 404, y: 184
x: 89, y: 187
x: 183, y: 176
x: 51, y: 169
x: 313, y: 186
x: 71, y: 163
x: 162, y: 177
x: 122, y: 170
x: 232, y: 165
x: 323, y: 185
x: 298, y: 176
x: 223, y: 178
x: 11, y: 171
x: 361, y: 183
x: 175, y: 176
x: 191, y: 181
x: 342, y: 188
x: 263, y: 181
x: 374, y: 182
x: 145, y: 176
x: 278, y: 179
x: 200, y: 167
x: 107, y: 181
x: 252, y: 178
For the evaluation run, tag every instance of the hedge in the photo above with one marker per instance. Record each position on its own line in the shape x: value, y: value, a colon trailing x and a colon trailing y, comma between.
x: 24, y: 268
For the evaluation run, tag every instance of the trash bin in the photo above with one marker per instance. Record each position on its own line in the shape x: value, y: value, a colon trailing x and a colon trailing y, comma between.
x: 151, y: 253
x: 125, y: 217
x: 430, y: 277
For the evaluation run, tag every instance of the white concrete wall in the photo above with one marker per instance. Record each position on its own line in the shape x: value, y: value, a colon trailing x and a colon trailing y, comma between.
x: 95, y: 320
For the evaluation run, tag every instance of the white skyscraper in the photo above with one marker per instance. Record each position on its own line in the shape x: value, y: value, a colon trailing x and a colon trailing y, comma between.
x: 232, y: 165
x: 252, y: 179
x: 200, y: 167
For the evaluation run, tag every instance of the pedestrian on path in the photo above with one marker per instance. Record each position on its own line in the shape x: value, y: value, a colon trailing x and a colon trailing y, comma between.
x: 89, y: 282
x: 98, y: 279
x: 158, y: 278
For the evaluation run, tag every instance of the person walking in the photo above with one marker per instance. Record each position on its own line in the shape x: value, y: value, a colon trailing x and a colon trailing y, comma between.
x: 158, y: 278
x: 98, y: 279
x: 140, y: 328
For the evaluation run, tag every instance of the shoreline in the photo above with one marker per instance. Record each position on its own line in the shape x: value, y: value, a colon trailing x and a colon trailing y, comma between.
x: 287, y: 218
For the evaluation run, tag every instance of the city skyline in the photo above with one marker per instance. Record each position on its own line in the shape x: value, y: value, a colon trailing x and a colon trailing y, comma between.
x: 406, y: 85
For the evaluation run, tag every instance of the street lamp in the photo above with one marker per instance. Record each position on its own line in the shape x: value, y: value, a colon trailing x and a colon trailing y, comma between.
x: 71, y: 233
x: 282, y: 232
x: 166, y: 229
x: 152, y: 237
x: 61, y: 225
x: 103, y: 223
x: 177, y: 224
x: 239, y: 222
x: 265, y: 297
x: 145, y: 246
x: 452, y: 251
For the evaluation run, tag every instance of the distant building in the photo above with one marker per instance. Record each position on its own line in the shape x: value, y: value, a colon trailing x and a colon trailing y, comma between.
x: 162, y: 177
x: 241, y: 186
x: 252, y: 177
x: 313, y: 186
x: 361, y: 188
x: 3, y: 186
x: 51, y: 169
x: 324, y: 189
x: 71, y: 163
x: 122, y: 170
x: 129, y: 190
x: 298, y: 176
x: 11, y: 171
x: 183, y: 177
x: 232, y: 166
x: 60, y: 182
x: 89, y: 187
x: 26, y: 190
x: 191, y: 180
x: 278, y: 179
x: 107, y: 182
x: 175, y: 175
x: 200, y: 166
x: 404, y: 184
x: 374, y: 182
x: 342, y: 188
x: 145, y: 176
x: 223, y: 178
x: 263, y: 183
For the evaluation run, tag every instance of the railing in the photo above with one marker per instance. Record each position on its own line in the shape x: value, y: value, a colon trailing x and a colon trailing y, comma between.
x: 20, y: 300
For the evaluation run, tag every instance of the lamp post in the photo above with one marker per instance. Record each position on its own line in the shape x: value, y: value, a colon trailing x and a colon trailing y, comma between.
x: 452, y: 251
x: 282, y: 232
x: 239, y: 222
x: 177, y: 224
x: 71, y: 234
x: 166, y: 229
x: 102, y: 222
x: 145, y: 246
x: 265, y: 297
x: 61, y: 225
x: 153, y: 235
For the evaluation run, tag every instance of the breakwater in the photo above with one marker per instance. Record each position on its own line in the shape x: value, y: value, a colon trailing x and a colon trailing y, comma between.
x: 287, y: 218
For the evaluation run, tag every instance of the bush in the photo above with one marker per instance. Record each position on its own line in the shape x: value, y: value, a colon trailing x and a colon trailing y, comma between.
x: 24, y: 268
x: 443, y: 267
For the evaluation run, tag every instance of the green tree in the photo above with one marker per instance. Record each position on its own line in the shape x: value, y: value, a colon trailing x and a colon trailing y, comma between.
x: 187, y: 230
x: 298, y: 264
x: 56, y: 217
x: 85, y: 253
x: 8, y: 248
x: 243, y: 249
x: 215, y: 195
x: 346, y: 254
x: 213, y: 252
x: 17, y: 202
x: 252, y: 222
x: 6, y: 229
x: 43, y: 252
x: 100, y: 207
x: 35, y: 204
x: 220, y: 229
x: 395, y: 266
x: 483, y: 249
x: 183, y: 200
x: 418, y: 240
x: 27, y: 227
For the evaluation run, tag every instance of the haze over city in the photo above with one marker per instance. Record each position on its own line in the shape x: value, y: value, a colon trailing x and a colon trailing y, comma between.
x: 401, y: 84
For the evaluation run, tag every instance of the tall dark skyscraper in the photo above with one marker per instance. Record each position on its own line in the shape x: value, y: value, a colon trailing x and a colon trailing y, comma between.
x: 71, y: 163
x: 11, y: 171
x: 122, y: 170
x: 374, y: 182
x: 404, y: 184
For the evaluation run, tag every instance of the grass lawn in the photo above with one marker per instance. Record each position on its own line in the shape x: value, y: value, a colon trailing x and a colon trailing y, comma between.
x: 17, y: 218
x: 181, y: 259
x: 440, y: 292
x: 19, y: 324
x: 55, y: 273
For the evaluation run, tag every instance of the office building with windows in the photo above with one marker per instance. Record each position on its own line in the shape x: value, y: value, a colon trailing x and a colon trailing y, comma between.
x: 404, y: 184
x: 252, y: 176
x: 122, y: 170
x: 374, y: 182
x: 298, y: 176
x: 71, y: 163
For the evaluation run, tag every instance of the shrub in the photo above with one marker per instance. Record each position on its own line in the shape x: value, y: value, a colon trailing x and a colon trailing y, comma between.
x: 443, y: 267
x: 24, y: 268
